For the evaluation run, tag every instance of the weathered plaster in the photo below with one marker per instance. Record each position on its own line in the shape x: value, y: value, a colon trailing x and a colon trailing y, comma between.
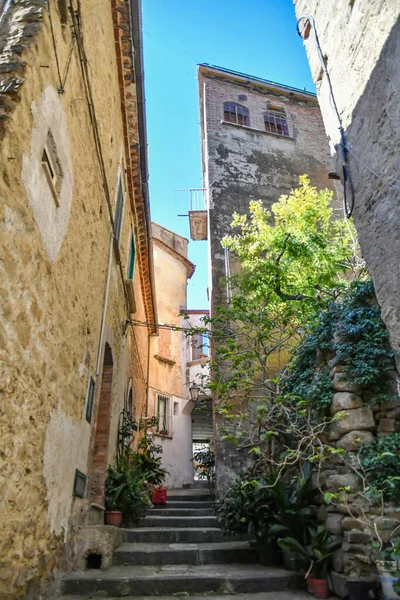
x: 52, y: 220
x: 65, y: 444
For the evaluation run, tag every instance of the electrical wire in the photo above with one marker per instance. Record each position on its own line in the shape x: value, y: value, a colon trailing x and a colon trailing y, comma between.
x: 76, y: 18
x: 348, y: 204
x: 54, y: 44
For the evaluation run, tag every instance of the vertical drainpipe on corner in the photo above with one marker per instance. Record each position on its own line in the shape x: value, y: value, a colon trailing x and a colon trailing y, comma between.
x: 136, y: 19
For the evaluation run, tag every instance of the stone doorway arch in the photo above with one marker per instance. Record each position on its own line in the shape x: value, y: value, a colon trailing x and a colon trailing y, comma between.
x: 100, y: 441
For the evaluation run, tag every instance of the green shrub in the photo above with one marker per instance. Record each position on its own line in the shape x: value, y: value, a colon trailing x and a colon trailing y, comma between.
x: 380, y: 460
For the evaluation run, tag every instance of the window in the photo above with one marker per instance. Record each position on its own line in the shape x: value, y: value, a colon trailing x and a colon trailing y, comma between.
x: 90, y: 398
x: 63, y: 10
x: 52, y: 168
x: 131, y: 260
x: 199, y: 346
x: 275, y: 121
x: 163, y: 415
x: 119, y: 208
x: 236, y: 113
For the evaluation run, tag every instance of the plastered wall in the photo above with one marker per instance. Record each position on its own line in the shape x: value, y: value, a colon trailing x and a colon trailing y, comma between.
x: 53, y: 278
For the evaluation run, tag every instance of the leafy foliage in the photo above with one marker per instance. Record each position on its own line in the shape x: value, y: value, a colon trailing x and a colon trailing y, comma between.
x: 297, y: 253
x: 350, y: 332
x: 380, y: 461
x: 129, y: 480
x: 316, y: 553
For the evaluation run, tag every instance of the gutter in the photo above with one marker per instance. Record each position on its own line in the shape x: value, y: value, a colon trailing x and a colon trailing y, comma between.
x: 136, y: 24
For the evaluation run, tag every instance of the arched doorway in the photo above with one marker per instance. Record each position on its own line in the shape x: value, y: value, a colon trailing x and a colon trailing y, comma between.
x: 99, y: 458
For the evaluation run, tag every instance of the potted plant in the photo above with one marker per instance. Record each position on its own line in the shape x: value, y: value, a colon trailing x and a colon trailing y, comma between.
x: 317, y: 555
x: 388, y: 565
x: 116, y: 488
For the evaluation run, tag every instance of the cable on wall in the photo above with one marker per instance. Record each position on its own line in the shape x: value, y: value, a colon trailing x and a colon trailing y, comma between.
x: 348, y: 188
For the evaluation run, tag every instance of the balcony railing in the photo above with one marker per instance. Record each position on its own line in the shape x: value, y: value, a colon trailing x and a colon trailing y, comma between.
x: 198, y: 199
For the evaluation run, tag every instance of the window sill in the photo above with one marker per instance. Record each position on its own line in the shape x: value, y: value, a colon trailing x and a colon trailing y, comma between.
x: 164, y: 435
x: 262, y: 131
x: 165, y: 360
x: 198, y: 361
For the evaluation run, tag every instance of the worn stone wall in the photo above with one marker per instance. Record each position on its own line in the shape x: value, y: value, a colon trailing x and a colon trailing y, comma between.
x: 247, y: 163
x: 53, y: 280
x: 361, y: 42
x: 351, y: 519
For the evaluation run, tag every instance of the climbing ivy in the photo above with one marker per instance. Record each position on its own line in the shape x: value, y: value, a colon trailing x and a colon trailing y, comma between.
x: 380, y: 461
x: 349, y: 332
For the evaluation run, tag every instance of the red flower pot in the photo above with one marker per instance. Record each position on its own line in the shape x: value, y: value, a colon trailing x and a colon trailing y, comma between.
x: 113, y: 517
x: 159, y: 496
x: 321, y: 588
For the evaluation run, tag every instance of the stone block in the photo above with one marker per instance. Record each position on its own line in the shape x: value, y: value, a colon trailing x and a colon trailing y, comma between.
x: 335, y: 482
x: 394, y: 413
x: 334, y: 523
x: 359, y: 418
x: 387, y: 426
x: 351, y: 523
x: 337, y: 561
x: 354, y: 439
x: 345, y: 401
x: 339, y: 584
x: 357, y: 537
x: 341, y: 383
x: 390, y: 405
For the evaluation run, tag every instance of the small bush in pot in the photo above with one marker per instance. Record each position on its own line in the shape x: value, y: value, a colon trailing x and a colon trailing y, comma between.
x: 388, y: 564
x: 317, y: 555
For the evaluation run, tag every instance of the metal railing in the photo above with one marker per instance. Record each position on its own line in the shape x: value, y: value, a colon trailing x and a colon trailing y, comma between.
x: 198, y: 199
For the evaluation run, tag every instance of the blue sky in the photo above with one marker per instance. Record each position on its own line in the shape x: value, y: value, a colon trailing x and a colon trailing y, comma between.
x: 257, y: 37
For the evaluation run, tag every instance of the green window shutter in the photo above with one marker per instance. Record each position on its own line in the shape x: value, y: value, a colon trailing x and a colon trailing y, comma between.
x: 131, y: 262
x: 90, y: 398
x: 119, y: 207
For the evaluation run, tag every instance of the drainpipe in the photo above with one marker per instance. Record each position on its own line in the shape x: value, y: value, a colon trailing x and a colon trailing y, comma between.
x: 103, y: 318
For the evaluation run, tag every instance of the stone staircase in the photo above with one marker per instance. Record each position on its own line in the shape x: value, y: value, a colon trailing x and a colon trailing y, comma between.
x: 179, y: 549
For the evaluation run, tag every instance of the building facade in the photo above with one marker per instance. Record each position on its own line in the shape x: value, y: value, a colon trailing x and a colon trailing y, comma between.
x: 257, y: 138
x: 360, y: 45
x: 168, y: 396
x: 76, y: 264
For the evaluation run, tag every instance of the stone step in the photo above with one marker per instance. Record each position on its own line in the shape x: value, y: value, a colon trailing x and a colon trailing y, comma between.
x: 292, y: 595
x: 120, y: 581
x: 184, y: 504
x: 177, y: 535
x: 162, y: 521
x: 191, y: 554
x: 180, y: 512
x: 193, y: 495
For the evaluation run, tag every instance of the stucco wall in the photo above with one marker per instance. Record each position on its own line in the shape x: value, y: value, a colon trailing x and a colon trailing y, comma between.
x: 362, y: 43
x: 168, y: 363
x: 53, y: 277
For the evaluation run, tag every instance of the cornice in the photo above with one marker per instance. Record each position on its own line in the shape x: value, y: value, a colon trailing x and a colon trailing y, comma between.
x: 131, y: 115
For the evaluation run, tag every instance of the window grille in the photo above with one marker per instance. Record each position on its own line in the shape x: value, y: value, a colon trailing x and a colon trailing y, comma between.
x: 236, y: 113
x: 275, y: 121
x: 52, y: 168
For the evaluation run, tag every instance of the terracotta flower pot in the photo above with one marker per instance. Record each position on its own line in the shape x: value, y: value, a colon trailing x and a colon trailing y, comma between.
x: 159, y: 496
x: 321, y: 588
x: 113, y: 517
